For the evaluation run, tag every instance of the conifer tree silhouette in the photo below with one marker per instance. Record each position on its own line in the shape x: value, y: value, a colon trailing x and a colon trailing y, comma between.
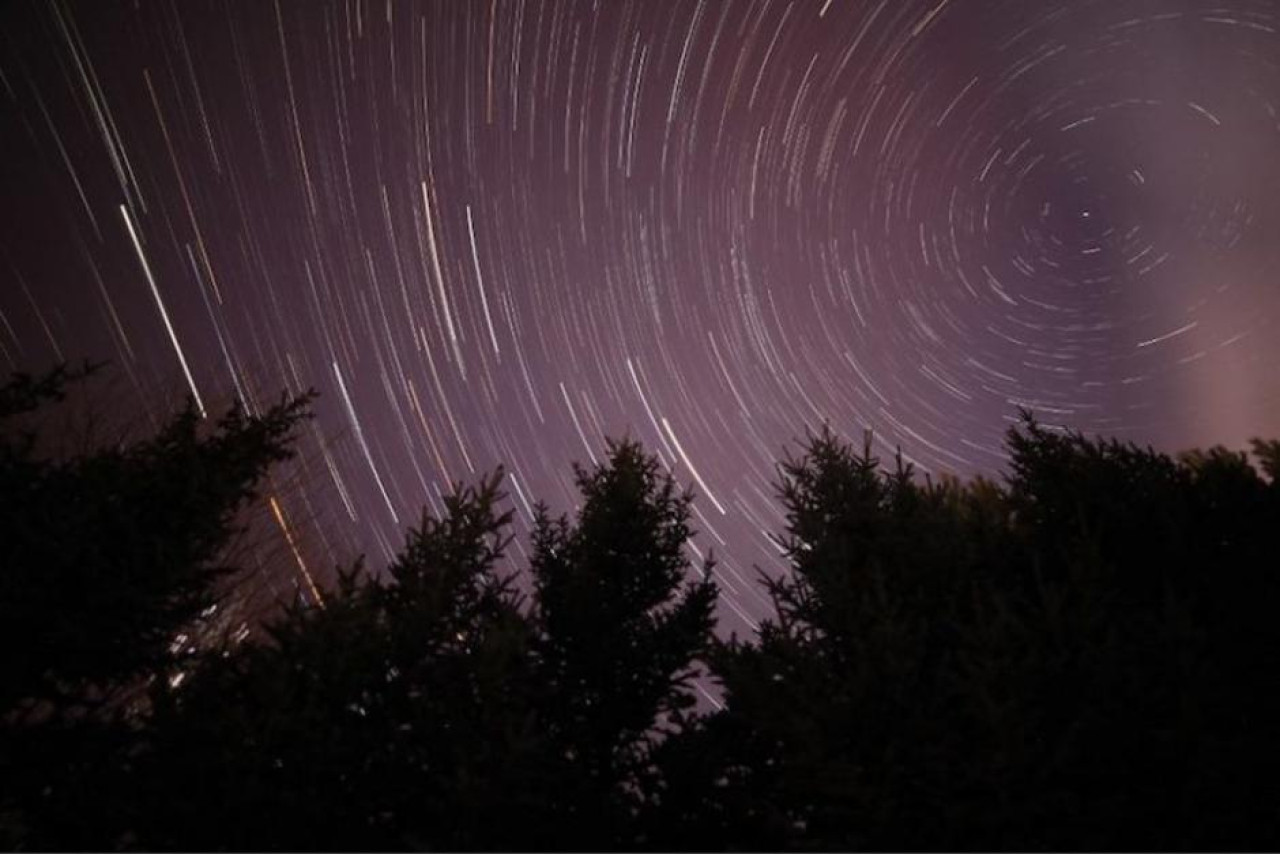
x: 400, y: 715
x: 1081, y: 656
x: 1075, y: 659
x: 620, y: 626
x: 105, y: 555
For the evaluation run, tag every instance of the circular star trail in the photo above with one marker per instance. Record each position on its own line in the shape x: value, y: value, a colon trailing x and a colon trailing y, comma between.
x: 499, y: 232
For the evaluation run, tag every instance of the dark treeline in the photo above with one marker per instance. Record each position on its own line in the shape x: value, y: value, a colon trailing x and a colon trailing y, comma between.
x: 1080, y: 656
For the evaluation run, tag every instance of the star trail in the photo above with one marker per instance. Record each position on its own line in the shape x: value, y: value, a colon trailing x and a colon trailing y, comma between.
x: 500, y: 231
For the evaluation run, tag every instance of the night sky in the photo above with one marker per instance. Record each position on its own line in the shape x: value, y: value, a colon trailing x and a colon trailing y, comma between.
x: 502, y: 231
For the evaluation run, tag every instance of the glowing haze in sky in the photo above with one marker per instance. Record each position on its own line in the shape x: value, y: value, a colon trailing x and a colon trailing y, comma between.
x: 502, y: 231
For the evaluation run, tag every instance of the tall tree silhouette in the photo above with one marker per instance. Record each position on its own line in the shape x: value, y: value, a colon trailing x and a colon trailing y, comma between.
x: 839, y: 727
x: 1077, y: 659
x: 427, y: 708
x: 400, y: 715
x: 620, y: 626
x: 105, y: 555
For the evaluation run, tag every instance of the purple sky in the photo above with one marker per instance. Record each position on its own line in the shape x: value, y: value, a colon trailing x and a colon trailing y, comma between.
x: 500, y: 231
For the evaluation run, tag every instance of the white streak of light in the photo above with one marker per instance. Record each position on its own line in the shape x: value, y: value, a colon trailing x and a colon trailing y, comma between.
x: 712, y: 700
x: 435, y: 263
x: 680, y: 450
x: 164, y: 313
x: 520, y: 492
x: 578, y: 425
x: 484, y: 302
x: 1165, y: 337
x: 364, y: 446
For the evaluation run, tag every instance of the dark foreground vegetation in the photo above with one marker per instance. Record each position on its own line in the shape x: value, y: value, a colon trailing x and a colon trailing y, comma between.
x: 1081, y: 656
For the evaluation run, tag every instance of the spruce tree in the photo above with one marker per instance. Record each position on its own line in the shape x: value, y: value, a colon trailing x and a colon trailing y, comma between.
x: 399, y: 715
x: 1081, y: 657
x: 106, y: 555
x: 621, y: 627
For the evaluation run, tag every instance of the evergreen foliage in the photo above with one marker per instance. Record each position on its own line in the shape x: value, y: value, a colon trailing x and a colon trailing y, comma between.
x: 105, y: 556
x: 1080, y: 656
x: 618, y: 634
x: 397, y: 715
x: 1079, y: 659
x: 414, y: 709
